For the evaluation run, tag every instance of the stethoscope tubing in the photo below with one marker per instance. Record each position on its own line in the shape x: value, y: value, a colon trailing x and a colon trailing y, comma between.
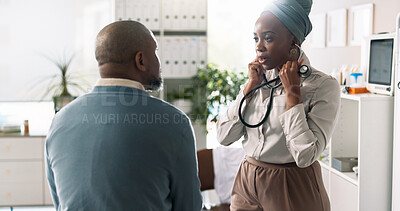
x: 304, y: 73
x: 269, y: 106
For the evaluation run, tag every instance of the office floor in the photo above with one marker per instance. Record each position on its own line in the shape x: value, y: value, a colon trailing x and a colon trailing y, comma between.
x: 52, y: 209
x: 27, y: 209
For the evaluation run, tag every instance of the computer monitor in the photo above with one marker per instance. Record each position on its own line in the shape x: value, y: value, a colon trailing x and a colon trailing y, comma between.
x: 381, y: 63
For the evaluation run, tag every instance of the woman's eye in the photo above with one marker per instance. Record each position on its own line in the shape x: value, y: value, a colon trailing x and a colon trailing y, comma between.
x: 255, y: 39
x: 268, y: 39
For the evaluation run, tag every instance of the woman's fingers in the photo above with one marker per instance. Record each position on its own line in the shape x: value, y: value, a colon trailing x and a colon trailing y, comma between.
x: 255, y: 72
x: 294, y: 65
x: 300, y: 62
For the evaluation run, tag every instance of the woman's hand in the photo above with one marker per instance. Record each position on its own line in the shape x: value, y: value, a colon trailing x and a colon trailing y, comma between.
x: 291, y: 82
x: 256, y: 72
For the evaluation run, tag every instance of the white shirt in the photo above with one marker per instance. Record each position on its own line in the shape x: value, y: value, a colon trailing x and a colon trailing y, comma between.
x: 119, y: 82
x: 299, y: 134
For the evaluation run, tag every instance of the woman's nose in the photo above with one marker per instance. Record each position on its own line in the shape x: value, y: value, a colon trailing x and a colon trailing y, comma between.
x: 260, y: 47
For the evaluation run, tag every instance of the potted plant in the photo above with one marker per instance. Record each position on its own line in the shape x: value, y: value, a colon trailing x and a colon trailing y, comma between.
x: 61, y: 83
x: 212, y: 87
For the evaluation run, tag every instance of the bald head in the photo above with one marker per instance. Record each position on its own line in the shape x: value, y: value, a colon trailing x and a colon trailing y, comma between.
x: 120, y: 41
x: 127, y: 49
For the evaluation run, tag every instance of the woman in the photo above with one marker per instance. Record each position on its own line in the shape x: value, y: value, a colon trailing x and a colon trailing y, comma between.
x: 280, y: 171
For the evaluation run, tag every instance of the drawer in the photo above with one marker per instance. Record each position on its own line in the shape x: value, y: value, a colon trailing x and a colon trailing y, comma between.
x: 21, y: 148
x: 344, y: 194
x: 21, y: 172
x: 21, y: 194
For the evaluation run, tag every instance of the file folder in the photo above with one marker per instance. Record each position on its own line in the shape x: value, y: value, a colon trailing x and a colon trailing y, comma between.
x: 166, y: 63
x: 167, y: 14
x: 176, y: 49
x: 193, y: 54
x: 202, y: 13
x: 119, y: 9
x: 202, y: 51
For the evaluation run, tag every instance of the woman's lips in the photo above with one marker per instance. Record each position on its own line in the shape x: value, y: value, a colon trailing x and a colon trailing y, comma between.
x: 262, y: 60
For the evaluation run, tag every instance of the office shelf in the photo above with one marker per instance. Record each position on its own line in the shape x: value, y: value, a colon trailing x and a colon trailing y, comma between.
x: 364, y: 130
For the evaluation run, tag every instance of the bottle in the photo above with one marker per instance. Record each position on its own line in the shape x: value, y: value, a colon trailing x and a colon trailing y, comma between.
x: 26, y: 127
x: 355, y: 69
x: 345, y: 75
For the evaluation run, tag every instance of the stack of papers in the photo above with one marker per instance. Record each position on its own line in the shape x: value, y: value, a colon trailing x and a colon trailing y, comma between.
x: 10, y: 129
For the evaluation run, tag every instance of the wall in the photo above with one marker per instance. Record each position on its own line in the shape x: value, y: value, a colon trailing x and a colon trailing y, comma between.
x: 230, y: 32
x: 325, y: 59
x: 32, y: 30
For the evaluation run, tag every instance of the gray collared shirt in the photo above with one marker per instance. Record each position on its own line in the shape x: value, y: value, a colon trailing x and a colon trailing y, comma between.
x: 299, y: 134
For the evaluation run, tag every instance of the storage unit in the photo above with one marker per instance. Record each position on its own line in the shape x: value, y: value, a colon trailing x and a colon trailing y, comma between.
x: 180, y: 27
x: 396, y: 139
x: 22, y: 177
x: 365, y: 131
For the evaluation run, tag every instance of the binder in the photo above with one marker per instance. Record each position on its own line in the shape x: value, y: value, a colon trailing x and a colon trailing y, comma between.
x: 202, y: 9
x: 193, y: 15
x: 119, y: 9
x: 185, y: 53
x: 167, y: 14
x: 193, y: 54
x: 144, y: 8
x: 184, y: 14
x: 202, y: 61
x: 131, y: 10
x: 176, y: 20
x: 154, y: 14
x: 176, y: 56
x: 167, y: 53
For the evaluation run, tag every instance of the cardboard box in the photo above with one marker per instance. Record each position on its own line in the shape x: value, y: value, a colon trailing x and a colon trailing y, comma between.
x: 344, y: 164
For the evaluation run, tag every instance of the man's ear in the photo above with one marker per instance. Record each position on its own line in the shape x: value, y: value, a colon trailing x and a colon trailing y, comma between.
x: 139, y: 61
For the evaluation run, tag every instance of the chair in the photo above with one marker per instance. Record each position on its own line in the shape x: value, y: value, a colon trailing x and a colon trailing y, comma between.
x: 206, y: 174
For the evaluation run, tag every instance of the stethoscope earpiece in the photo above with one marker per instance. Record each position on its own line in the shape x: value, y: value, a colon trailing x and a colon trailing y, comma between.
x: 304, y: 71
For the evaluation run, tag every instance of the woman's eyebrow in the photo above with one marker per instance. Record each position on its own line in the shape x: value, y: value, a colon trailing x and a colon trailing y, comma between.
x: 265, y: 32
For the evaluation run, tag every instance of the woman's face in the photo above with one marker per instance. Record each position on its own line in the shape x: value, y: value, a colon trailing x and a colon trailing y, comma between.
x: 273, y: 41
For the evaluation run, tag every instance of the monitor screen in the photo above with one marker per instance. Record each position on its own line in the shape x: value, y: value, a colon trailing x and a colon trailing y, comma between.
x: 380, y: 63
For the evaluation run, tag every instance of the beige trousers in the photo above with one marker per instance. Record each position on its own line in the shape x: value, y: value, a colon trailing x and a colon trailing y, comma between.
x: 263, y: 186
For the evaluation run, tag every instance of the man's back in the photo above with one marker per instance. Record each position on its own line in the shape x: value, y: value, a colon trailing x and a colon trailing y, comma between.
x: 118, y: 148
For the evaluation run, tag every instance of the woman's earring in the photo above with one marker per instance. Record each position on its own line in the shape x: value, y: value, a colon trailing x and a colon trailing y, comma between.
x: 293, y: 51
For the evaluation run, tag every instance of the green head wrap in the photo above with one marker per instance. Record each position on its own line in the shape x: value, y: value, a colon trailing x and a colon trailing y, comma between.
x: 294, y: 15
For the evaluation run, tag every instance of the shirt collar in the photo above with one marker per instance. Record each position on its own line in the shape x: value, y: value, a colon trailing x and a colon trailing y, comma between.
x: 119, y: 82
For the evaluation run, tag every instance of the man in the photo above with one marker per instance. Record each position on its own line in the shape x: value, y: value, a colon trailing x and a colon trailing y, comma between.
x: 117, y: 147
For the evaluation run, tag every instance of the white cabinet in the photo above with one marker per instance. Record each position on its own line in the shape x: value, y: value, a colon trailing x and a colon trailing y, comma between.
x: 22, y: 176
x: 396, y: 140
x: 21, y: 183
x: 365, y: 131
x: 343, y: 194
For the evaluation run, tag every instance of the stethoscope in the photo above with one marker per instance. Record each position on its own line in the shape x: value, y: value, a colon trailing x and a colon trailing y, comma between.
x: 304, y: 72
